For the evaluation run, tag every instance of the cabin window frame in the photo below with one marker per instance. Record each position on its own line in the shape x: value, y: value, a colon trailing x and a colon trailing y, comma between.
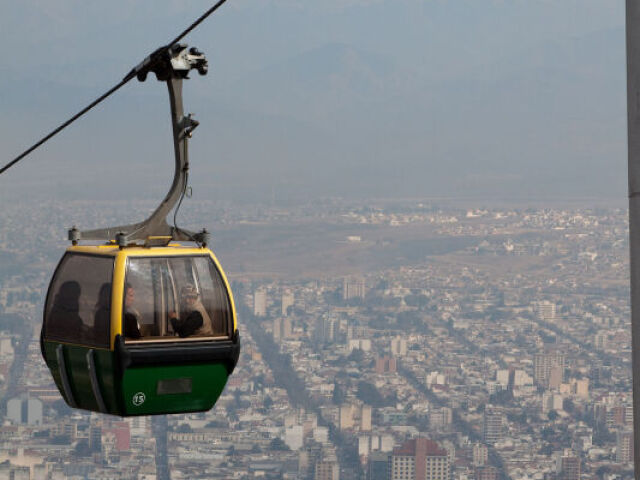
x: 72, y: 338
x: 174, y: 285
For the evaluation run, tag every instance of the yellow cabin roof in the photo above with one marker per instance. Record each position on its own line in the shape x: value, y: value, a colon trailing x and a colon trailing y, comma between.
x: 111, y: 250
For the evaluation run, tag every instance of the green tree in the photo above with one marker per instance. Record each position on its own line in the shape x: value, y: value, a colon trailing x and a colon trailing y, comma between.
x: 547, y: 433
x: 356, y: 355
x: 82, y: 449
x: 184, y: 428
x: 568, y: 405
x: 278, y: 444
x: 338, y: 395
x: 370, y: 395
x: 217, y: 424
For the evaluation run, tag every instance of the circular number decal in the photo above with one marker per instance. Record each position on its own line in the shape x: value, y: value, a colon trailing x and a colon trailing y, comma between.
x: 138, y: 399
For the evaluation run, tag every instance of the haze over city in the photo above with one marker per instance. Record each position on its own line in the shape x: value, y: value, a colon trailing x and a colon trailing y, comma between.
x: 420, y: 207
x: 397, y: 99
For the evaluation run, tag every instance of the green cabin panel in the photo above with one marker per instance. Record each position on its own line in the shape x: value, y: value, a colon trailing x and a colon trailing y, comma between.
x: 141, y: 391
x: 77, y: 369
x: 172, y: 389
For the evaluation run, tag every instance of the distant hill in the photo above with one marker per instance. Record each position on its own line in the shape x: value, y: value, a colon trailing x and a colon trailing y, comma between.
x: 546, y: 119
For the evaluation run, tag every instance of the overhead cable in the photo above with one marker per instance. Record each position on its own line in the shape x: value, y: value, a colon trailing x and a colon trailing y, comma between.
x: 126, y: 79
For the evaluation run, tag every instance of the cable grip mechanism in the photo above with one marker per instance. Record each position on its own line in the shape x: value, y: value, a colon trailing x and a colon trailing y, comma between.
x: 170, y: 64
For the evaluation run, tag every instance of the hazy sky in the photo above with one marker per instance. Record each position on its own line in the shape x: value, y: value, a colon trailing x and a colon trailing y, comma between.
x: 468, y: 98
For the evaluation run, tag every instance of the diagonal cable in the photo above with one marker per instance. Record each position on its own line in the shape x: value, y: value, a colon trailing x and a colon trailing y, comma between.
x: 126, y: 79
x: 62, y: 127
x: 197, y: 22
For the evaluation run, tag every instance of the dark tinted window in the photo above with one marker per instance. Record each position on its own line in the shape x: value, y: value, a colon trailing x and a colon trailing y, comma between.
x: 175, y: 297
x: 78, y: 306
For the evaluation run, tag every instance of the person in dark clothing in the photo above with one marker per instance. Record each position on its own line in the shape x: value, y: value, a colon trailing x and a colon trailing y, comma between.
x: 64, y: 317
x: 188, y: 326
x: 193, y: 321
x: 131, y: 315
x: 101, y: 318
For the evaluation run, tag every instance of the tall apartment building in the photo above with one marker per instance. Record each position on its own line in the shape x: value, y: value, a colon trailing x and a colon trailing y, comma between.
x: 307, y: 459
x: 619, y: 416
x: 260, y: 303
x: 353, y: 288
x: 330, y: 328
x: 281, y: 328
x: 386, y: 365
x: 492, y: 425
x: 368, y: 444
x: 568, y: 466
x: 95, y: 437
x: 327, y: 469
x: 552, y: 401
x: 486, y: 472
x: 288, y: 300
x: 624, y: 446
x: 398, y: 347
x: 140, y: 426
x: 378, y: 466
x: 480, y: 454
x: 547, y: 362
x: 421, y: 459
x: 441, y: 418
x: 24, y: 410
x: 545, y: 310
x: 326, y: 328
x: 357, y: 417
x: 601, y: 340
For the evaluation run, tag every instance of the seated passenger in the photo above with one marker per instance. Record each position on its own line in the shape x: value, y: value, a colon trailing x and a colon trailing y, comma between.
x: 103, y: 313
x: 195, y: 320
x: 64, y: 315
x: 131, y: 315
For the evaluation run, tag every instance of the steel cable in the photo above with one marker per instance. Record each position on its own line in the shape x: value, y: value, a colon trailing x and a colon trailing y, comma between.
x: 105, y: 95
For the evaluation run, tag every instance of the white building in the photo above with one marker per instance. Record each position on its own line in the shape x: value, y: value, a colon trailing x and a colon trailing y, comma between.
x: 294, y: 436
x: 24, y: 409
x: 260, y: 303
x: 545, y: 311
x: 363, y: 344
x: 288, y: 300
x: 552, y: 401
x: 399, y: 347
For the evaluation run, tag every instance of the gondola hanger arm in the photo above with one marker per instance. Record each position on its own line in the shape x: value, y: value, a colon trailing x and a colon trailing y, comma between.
x: 171, y: 66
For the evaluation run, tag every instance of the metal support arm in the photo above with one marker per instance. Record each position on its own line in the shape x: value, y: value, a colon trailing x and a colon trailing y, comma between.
x: 172, y: 65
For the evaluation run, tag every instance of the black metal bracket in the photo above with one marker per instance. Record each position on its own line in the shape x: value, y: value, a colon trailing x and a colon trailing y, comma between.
x: 170, y: 64
x: 226, y: 352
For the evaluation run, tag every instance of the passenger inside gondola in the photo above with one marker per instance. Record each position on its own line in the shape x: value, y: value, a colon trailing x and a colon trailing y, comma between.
x: 175, y: 298
x: 78, y: 306
x: 131, y: 314
x: 65, y: 311
x: 195, y: 319
x: 102, y: 314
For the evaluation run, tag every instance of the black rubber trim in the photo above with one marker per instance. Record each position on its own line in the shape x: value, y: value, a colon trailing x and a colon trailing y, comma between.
x: 42, y: 351
x: 186, y: 353
x: 64, y: 378
x: 95, y: 384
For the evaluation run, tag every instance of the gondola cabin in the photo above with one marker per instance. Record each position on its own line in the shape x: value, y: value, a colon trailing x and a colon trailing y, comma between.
x: 140, y: 330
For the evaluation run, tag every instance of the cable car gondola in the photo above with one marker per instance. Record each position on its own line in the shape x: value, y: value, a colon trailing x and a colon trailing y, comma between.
x: 144, y: 323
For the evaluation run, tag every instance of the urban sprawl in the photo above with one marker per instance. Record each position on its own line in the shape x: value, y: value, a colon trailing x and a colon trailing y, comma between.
x: 380, y: 341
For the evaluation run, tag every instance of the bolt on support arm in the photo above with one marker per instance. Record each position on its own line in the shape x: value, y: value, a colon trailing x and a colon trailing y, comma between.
x: 170, y: 64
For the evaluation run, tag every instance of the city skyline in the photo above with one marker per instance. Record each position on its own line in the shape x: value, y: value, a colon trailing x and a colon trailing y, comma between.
x: 506, y: 344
